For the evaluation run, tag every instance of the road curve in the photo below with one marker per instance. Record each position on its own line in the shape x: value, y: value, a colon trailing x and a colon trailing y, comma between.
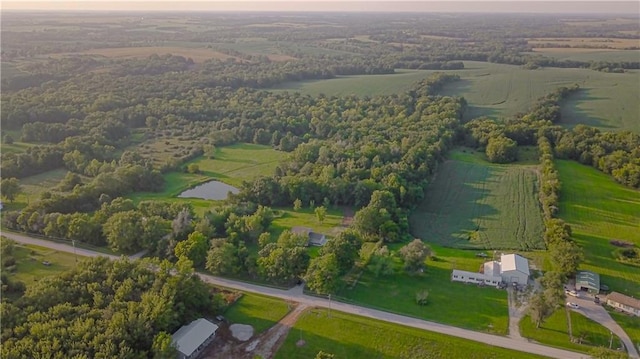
x: 296, y: 294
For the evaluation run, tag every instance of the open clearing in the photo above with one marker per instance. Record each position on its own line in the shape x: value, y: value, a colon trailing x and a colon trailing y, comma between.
x: 231, y: 164
x: 34, y: 186
x: 597, y: 217
x: 472, y: 203
x: 587, y: 42
x: 608, y: 100
x: 29, y: 262
x: 258, y: 311
x: 360, y: 85
x: 555, y: 332
x: 448, y: 302
x: 197, y: 54
x: 350, y: 336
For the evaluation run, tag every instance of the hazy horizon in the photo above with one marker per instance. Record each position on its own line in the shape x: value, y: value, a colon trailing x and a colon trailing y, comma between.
x: 631, y: 8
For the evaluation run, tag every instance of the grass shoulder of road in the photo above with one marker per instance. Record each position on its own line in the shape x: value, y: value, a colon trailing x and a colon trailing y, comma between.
x: 353, y: 337
x: 448, y: 302
x: 471, y: 203
x: 259, y: 311
x: 555, y: 332
x: 599, y: 216
x: 629, y: 323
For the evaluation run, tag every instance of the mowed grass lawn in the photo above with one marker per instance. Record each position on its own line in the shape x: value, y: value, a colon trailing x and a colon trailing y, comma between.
x: 458, y: 304
x: 352, y: 337
x: 472, y: 203
x: 29, y: 258
x: 258, y: 311
x: 555, y: 332
x: 599, y: 210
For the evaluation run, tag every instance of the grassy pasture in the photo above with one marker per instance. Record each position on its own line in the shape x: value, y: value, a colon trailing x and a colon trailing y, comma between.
x: 354, y: 337
x: 34, y: 186
x: 448, y: 302
x: 598, y: 216
x: 197, y: 54
x: 231, y: 164
x: 474, y: 204
x: 587, y: 42
x: 555, y: 332
x: 258, y: 311
x: 360, y: 85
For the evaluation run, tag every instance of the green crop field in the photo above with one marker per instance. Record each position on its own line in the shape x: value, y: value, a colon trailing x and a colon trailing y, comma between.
x: 599, y: 216
x: 555, y: 332
x: 353, y: 337
x: 258, y: 311
x: 472, y: 203
x: 584, y: 54
x: 448, y: 302
x: 361, y: 85
x: 499, y: 90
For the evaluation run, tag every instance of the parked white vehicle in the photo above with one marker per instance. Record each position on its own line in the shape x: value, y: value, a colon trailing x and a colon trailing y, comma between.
x: 573, y: 305
x: 572, y: 293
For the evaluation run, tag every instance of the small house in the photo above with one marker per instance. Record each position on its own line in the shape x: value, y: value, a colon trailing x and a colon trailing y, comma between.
x: 624, y: 303
x: 191, y: 339
x: 314, y: 238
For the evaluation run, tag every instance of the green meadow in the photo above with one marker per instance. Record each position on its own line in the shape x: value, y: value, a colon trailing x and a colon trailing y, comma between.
x: 448, y: 302
x: 258, y: 311
x: 349, y: 336
x: 29, y: 262
x: 230, y: 164
x: 472, y: 203
x: 600, y: 210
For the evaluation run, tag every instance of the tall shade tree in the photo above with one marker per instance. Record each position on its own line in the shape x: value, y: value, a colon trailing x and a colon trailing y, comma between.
x: 123, y: 231
x: 414, y: 254
x: 193, y: 248
x: 323, y: 274
x: 10, y: 188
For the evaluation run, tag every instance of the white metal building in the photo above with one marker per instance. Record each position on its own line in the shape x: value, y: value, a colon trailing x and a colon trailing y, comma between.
x: 511, y: 268
x: 192, y: 338
x: 515, y: 269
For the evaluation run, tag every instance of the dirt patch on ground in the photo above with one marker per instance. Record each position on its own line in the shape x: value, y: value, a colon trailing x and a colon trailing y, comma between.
x: 265, y: 345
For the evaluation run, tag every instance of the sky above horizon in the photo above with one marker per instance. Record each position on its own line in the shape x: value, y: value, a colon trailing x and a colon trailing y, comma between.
x: 567, y: 6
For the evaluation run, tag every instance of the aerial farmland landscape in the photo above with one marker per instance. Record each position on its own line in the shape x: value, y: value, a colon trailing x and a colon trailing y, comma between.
x: 320, y: 179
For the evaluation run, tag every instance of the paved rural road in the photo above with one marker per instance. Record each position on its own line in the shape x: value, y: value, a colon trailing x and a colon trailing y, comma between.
x: 296, y: 294
x: 600, y: 315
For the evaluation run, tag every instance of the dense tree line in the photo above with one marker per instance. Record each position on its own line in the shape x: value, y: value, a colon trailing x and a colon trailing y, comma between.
x: 105, y: 309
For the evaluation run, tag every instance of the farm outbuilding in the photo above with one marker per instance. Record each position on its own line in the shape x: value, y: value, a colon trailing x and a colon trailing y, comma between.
x: 624, y: 303
x: 588, y: 281
x: 511, y: 268
x: 191, y: 339
x: 515, y: 269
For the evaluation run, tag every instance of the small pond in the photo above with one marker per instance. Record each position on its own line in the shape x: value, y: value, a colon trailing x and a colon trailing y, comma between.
x: 210, y: 190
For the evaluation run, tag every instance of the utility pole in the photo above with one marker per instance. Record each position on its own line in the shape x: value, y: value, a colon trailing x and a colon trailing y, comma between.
x: 611, y: 340
x: 73, y: 242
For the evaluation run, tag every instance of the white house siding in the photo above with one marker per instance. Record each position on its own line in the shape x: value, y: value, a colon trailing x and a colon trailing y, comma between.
x: 474, y: 277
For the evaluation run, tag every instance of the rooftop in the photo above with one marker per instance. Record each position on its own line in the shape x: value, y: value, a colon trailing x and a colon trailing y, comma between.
x: 588, y: 279
x: 624, y: 299
x: 492, y: 268
x: 188, y: 338
x: 515, y: 262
